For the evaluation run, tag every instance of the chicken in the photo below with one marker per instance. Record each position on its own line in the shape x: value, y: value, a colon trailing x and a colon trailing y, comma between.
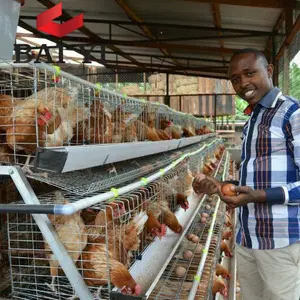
x: 95, y: 270
x: 163, y: 135
x: 172, y: 191
x: 40, y: 120
x: 171, y: 220
x: 124, y: 126
x: 145, y: 132
x: 227, y: 221
x: 161, y: 207
x: 7, y: 104
x: 96, y: 130
x: 154, y: 227
x: 203, y: 130
x: 64, y: 132
x: 72, y: 233
x: 175, y: 131
x: 219, y: 286
x: 182, y: 200
x: 189, y: 131
x: 22, y: 133
x: 207, y: 169
x: 6, y: 154
x: 130, y: 131
x: 122, y: 240
x: 102, y: 220
x: 222, y: 271
x: 187, y: 182
x: 226, y: 235
x: 225, y: 248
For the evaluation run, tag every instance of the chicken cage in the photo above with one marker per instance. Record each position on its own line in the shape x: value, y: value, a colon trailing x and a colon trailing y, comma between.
x: 45, y: 113
x: 111, y: 237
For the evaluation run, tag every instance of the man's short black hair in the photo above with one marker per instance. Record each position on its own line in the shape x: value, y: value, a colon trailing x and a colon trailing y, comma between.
x: 258, y: 54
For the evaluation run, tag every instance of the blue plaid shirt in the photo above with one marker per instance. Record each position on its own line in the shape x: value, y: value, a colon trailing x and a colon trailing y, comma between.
x: 270, y: 161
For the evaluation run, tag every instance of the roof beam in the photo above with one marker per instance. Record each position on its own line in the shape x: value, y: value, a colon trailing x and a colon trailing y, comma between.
x: 161, y: 56
x: 160, y: 25
x: 250, y: 3
x: 150, y: 44
x: 187, y: 73
x: 65, y: 17
x: 170, y: 67
x: 192, y: 38
x: 216, y: 13
x: 132, y: 16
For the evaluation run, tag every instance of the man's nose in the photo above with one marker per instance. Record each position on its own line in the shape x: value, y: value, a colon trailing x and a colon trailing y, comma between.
x: 244, y: 82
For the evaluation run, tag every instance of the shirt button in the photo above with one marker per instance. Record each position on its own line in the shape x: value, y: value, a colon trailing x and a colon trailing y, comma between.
x: 253, y: 119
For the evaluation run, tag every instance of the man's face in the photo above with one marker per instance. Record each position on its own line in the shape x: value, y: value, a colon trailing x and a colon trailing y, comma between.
x: 250, y: 77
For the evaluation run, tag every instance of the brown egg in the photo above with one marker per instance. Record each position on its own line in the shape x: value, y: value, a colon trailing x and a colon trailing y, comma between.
x: 187, y: 254
x: 190, y: 236
x: 203, y: 220
x: 180, y: 271
x: 226, y: 190
x: 204, y: 215
x: 208, y: 207
x: 195, y: 239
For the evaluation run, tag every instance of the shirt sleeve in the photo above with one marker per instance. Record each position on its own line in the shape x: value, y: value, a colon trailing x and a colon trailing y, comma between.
x: 289, y: 194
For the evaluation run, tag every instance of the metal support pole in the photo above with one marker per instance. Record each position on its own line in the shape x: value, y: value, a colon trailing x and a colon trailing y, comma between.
x: 180, y: 104
x: 215, y: 115
x: 286, y: 69
x: 167, y: 96
x: 50, y: 235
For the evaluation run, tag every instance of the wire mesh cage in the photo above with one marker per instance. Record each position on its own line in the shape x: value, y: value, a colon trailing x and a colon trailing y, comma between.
x: 177, y: 279
x: 187, y: 257
x: 103, y: 240
x: 44, y: 107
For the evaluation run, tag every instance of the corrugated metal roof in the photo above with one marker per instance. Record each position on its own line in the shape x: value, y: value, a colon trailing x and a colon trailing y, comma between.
x: 208, y: 50
x: 252, y: 18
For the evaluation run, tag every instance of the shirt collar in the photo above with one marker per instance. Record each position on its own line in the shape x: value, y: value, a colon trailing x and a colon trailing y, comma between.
x: 266, y: 101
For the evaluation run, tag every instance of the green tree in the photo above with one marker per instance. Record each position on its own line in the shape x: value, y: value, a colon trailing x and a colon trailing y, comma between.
x: 295, y: 81
x: 240, y: 106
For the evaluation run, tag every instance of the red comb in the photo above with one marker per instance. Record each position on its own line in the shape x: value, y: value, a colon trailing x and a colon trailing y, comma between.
x: 47, y: 115
x: 41, y: 122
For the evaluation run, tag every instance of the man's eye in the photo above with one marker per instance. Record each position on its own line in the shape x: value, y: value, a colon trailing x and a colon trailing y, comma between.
x: 250, y: 73
x: 235, y: 80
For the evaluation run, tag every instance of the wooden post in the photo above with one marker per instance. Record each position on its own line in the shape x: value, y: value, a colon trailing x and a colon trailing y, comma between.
x: 167, y: 96
x: 286, y: 71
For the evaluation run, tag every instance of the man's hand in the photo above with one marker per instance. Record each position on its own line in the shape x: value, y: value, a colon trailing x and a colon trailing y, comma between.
x: 204, y: 184
x: 245, y: 195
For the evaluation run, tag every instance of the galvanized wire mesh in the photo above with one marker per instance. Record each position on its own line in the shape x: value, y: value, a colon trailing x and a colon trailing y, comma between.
x: 45, y: 107
x: 104, y: 232
x: 98, y: 179
x: 137, y: 83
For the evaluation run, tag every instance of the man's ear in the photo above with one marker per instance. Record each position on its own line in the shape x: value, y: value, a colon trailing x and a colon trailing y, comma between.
x: 270, y: 70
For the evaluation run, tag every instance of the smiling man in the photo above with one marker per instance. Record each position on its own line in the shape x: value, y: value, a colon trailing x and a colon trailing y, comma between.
x: 268, y: 195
